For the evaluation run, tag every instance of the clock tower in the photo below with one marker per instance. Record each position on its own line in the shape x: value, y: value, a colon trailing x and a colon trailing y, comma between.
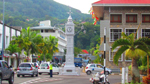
x: 69, y: 68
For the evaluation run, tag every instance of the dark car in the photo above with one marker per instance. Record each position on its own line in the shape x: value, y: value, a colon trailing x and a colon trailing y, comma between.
x: 6, y: 72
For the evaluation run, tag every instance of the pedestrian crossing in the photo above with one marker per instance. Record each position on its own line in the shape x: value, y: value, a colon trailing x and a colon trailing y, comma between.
x: 41, y: 80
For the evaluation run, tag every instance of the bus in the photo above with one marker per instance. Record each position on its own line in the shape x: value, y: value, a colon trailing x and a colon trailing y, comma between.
x: 78, y: 62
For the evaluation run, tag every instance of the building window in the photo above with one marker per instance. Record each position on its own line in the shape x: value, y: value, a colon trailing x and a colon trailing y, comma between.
x: 146, y: 18
x: 46, y: 30
x: 131, y: 18
x: 41, y: 30
x: 146, y: 33
x: 115, y: 34
x: 111, y: 55
x: 116, y: 18
x: 6, y: 39
x: 130, y: 31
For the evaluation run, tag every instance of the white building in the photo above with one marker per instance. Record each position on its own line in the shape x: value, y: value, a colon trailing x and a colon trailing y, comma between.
x: 46, y: 30
x: 9, y: 32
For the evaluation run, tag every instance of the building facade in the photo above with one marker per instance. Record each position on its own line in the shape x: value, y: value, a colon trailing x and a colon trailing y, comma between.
x: 9, y: 32
x: 121, y: 16
x: 46, y: 30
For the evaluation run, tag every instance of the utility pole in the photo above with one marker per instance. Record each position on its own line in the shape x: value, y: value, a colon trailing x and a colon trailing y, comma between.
x: 3, y: 29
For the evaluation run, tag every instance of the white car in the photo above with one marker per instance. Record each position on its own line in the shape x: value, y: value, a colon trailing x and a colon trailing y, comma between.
x: 44, y: 68
x: 93, y: 68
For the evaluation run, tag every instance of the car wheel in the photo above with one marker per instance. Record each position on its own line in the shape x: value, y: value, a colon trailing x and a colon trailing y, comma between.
x: 18, y: 75
x: 37, y: 75
x: 32, y: 75
x: 94, y: 82
x: 57, y: 73
x: 40, y: 73
x: 11, y: 79
x: 88, y: 72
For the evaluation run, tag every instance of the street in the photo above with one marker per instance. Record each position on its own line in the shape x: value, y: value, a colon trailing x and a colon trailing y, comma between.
x: 61, y: 79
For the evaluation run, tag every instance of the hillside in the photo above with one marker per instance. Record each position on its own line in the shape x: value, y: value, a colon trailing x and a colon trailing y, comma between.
x: 39, y: 9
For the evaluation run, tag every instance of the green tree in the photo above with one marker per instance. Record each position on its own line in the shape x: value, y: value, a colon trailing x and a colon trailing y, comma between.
x: 13, y: 48
x: 31, y: 40
x: 76, y: 51
x: 18, y: 40
x: 97, y: 53
x: 133, y: 48
x: 48, y: 47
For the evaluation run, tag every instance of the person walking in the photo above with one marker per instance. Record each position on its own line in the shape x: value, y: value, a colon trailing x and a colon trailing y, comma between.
x: 51, y: 69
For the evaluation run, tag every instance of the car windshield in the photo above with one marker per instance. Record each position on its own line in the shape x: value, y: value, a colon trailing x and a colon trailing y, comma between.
x: 44, y: 65
x: 78, y: 60
x: 25, y: 65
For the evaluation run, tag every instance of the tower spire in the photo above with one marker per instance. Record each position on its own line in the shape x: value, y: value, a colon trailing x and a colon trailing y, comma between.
x: 69, y: 11
x: 69, y: 18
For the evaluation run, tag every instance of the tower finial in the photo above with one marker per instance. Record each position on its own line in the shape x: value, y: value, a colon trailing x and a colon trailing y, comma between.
x: 69, y: 11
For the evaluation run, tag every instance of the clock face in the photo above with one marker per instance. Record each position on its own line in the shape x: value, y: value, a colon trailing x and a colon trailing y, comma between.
x: 69, y: 29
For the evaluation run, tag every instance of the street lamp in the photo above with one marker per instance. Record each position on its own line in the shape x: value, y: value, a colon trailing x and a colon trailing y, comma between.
x: 82, y: 28
x: 3, y: 29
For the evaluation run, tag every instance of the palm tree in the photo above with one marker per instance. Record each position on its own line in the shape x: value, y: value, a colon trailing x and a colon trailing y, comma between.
x: 13, y: 48
x: 53, y: 45
x: 18, y: 40
x: 133, y: 48
x: 31, y: 40
x: 49, y: 46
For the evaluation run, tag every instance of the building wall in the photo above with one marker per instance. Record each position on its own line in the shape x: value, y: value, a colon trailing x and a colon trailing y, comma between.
x: 106, y: 23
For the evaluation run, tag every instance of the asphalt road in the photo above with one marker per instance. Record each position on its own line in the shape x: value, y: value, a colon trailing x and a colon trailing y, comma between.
x: 61, y: 79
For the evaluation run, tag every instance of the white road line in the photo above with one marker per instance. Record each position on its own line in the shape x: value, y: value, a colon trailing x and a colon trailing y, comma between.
x: 37, y: 80
x: 30, y: 81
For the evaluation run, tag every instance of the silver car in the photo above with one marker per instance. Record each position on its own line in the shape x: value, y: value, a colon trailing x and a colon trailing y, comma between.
x: 93, y: 68
x: 27, y: 68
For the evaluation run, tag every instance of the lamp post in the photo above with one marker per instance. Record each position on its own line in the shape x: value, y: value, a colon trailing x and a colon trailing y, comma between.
x: 82, y: 27
x: 3, y: 29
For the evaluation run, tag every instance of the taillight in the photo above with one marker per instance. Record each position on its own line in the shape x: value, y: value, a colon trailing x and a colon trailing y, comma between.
x: 38, y: 67
x: 86, y: 68
x: 48, y: 67
x: 18, y: 68
x: 31, y: 68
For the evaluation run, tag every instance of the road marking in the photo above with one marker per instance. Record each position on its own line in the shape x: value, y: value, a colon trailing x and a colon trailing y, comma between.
x: 40, y: 80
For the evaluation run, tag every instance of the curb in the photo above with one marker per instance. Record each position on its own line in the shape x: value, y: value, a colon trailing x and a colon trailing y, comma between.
x: 116, y: 74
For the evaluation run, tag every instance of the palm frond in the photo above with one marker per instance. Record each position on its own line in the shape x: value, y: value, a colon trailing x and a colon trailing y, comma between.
x: 120, y: 42
x: 118, y: 53
x: 135, y: 53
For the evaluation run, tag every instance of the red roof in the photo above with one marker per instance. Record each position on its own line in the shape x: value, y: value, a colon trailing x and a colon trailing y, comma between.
x: 85, y: 51
x: 122, y: 2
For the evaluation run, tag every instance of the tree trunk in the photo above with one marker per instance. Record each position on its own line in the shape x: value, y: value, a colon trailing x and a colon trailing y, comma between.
x: 135, y: 71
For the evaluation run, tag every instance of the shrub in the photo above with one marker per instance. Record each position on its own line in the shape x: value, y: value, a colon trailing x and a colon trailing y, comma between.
x: 129, y: 67
x: 146, y: 79
x: 143, y: 68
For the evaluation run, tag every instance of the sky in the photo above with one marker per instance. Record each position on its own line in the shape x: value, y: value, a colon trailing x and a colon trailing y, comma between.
x: 82, y: 5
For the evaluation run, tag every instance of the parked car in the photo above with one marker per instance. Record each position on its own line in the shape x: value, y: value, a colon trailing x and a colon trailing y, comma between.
x: 36, y: 64
x: 6, y: 72
x: 27, y: 68
x: 44, y: 68
x: 93, y: 68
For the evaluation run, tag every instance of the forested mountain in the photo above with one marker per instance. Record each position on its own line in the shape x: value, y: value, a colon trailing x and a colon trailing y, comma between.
x: 28, y: 13
x: 39, y: 9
